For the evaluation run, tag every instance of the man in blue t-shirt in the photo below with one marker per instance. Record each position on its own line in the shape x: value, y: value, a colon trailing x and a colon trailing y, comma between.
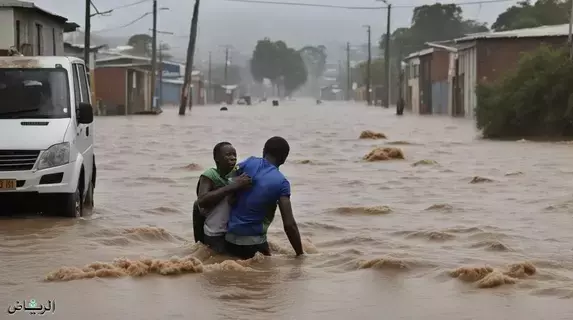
x: 254, y: 209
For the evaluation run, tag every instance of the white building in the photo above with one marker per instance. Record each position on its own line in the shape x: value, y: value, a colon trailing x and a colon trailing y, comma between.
x: 31, y: 30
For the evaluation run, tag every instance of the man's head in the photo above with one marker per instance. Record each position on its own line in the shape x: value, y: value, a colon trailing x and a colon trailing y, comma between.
x: 276, y: 150
x: 225, y: 157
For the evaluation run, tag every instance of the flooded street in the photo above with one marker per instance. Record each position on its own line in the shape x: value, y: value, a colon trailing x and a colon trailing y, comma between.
x: 384, y: 239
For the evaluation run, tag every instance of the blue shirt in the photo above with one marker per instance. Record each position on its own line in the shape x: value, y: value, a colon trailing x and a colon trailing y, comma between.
x: 255, y: 207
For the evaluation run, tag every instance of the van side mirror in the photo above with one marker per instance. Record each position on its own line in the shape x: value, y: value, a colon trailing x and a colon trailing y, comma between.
x: 85, y: 113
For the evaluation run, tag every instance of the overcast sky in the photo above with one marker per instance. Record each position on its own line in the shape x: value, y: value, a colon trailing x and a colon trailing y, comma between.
x: 242, y: 24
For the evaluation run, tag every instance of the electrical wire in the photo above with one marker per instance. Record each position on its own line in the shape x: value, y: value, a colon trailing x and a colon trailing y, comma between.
x: 301, y: 4
x: 125, y: 25
x: 131, y: 4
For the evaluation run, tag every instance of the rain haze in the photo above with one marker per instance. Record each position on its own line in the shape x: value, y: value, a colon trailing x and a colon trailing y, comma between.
x: 242, y: 24
x: 404, y: 191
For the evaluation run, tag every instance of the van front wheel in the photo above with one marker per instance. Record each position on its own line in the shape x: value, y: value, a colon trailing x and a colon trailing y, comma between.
x: 73, y: 205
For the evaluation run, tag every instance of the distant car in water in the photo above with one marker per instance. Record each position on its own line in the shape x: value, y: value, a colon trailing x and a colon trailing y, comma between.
x: 244, y: 100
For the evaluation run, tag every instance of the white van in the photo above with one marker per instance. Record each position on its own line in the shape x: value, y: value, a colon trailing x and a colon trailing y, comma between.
x: 46, y: 135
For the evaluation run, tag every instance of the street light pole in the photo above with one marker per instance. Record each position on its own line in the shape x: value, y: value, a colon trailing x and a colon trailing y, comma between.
x: 570, y: 37
x: 87, y: 32
x: 348, y: 73
x: 368, y: 68
x: 210, y: 88
x: 387, y: 60
x: 189, y: 62
x: 154, y: 55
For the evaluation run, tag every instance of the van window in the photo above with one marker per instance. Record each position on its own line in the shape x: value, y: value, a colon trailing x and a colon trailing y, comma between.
x: 83, y: 83
x: 77, y: 91
x: 34, y: 93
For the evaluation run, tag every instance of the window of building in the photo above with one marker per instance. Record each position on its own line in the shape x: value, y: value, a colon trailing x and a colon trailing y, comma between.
x: 17, y: 35
x: 39, y: 39
x: 54, y: 41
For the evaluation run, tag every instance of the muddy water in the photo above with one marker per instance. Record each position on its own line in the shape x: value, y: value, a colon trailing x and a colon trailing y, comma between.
x: 385, y: 239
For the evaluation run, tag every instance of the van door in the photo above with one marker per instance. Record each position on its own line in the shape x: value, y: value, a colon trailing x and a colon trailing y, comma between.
x: 84, y: 132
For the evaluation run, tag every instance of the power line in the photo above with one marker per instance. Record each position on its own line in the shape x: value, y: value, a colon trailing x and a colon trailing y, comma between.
x: 97, y: 12
x: 301, y: 4
x: 131, y: 4
x: 125, y: 25
x: 309, y: 5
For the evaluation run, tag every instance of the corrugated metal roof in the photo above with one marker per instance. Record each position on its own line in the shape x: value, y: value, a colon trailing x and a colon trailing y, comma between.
x: 544, y: 31
x: 29, y: 5
x: 419, y: 53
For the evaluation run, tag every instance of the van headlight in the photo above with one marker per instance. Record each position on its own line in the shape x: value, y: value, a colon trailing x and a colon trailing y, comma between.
x: 56, y: 155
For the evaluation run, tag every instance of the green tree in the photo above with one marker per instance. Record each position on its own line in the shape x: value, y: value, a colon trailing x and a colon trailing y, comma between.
x: 436, y: 22
x: 534, y: 100
x: 293, y: 71
x: 315, y: 61
x: 164, y: 47
x: 526, y: 15
x: 280, y: 64
x: 265, y: 61
x: 141, y: 44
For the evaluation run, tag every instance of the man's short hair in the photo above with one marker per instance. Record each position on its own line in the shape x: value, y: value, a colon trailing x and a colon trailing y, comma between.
x: 218, y: 147
x: 278, y: 148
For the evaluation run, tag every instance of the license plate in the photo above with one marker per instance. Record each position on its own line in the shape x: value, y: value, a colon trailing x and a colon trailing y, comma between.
x: 7, y: 184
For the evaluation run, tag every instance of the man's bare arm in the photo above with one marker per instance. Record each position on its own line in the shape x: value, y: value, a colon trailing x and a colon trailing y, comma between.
x: 289, y: 223
x: 208, y: 196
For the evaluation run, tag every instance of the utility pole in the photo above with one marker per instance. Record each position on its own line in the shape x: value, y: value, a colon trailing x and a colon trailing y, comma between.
x: 226, y: 65
x: 160, y: 95
x: 368, y: 68
x: 348, y: 73
x: 189, y: 62
x: 87, y: 32
x: 210, y: 88
x: 570, y: 37
x: 154, y: 55
x: 387, y: 60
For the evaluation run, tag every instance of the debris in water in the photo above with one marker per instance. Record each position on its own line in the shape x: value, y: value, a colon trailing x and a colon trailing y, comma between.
x: 514, y: 173
x: 478, y: 179
x: 425, y: 162
x: 488, y: 277
x: 369, y: 134
x: 382, y: 154
x: 364, y: 210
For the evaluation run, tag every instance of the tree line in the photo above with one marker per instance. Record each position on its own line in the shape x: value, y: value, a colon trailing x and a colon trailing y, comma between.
x: 438, y: 22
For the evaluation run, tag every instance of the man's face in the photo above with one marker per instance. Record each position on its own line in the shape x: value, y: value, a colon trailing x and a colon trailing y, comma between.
x: 227, y: 158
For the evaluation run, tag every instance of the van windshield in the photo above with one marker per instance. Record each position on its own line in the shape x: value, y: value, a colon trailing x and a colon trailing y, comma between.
x: 34, y: 93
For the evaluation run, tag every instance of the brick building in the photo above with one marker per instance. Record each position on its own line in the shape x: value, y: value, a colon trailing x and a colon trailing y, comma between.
x: 426, y: 81
x: 485, y: 57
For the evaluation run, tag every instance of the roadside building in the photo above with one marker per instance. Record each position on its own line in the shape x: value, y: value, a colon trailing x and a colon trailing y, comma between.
x: 485, y: 57
x: 32, y: 30
x: 124, y: 84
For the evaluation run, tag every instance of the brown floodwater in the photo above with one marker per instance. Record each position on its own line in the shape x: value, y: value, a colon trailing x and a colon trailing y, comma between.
x: 385, y: 240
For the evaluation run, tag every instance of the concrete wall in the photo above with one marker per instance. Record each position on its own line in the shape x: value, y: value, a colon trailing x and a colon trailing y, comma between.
x: 6, y: 28
x: 412, y: 80
x: 51, y: 39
